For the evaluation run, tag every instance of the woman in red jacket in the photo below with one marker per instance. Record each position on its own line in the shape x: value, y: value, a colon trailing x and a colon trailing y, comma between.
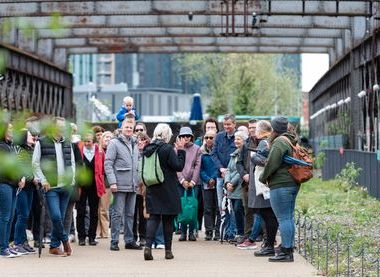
x: 92, y: 190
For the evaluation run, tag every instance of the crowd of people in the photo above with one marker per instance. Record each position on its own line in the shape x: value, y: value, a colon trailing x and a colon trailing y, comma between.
x: 244, y: 190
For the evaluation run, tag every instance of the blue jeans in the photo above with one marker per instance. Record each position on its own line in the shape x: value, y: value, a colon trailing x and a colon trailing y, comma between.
x: 123, y: 205
x: 256, y: 227
x: 238, y: 209
x: 57, y: 200
x: 182, y: 191
x: 23, y: 206
x: 7, y: 207
x: 283, y: 201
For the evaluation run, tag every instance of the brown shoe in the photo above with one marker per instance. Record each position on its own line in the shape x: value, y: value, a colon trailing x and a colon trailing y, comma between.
x: 67, y: 248
x: 57, y: 252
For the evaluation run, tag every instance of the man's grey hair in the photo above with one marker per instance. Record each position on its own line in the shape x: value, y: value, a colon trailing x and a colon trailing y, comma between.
x: 229, y: 116
x: 162, y: 132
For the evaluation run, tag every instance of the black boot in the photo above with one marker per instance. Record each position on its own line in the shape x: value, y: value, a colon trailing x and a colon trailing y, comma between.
x: 169, y: 255
x: 285, y: 256
x: 148, y: 254
x: 265, y: 252
x: 182, y: 237
x: 208, y: 235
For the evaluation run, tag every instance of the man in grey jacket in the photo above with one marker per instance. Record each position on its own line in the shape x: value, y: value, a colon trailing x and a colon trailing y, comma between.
x: 121, y: 168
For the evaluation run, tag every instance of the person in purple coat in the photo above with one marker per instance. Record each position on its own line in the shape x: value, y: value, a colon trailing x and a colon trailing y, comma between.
x: 189, y: 176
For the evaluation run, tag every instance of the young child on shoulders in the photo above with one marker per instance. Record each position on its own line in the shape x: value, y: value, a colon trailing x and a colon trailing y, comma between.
x: 127, y: 108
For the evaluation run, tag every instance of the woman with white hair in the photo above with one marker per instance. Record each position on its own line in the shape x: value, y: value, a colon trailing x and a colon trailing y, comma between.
x: 233, y: 183
x: 162, y: 200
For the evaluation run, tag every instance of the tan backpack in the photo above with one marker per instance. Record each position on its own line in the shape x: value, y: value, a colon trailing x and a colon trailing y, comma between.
x: 300, y: 173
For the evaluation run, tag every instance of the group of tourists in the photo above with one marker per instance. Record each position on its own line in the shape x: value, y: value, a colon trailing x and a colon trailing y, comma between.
x: 244, y: 190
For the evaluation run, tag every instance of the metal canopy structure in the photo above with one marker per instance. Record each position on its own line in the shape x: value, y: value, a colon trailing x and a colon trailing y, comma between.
x: 170, y: 26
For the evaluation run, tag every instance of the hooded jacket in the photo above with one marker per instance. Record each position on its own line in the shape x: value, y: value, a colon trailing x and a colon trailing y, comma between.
x: 164, y: 198
x: 121, y: 163
x: 275, y: 172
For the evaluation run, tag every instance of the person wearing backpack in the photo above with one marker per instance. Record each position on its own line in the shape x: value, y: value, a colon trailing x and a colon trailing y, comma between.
x: 283, y: 188
x: 162, y: 199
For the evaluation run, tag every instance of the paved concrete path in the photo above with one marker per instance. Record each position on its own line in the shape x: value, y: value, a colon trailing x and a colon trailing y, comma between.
x: 199, y: 258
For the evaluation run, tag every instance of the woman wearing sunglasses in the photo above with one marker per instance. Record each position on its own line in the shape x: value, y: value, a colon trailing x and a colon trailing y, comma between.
x: 208, y: 175
x: 189, y: 176
x: 140, y: 128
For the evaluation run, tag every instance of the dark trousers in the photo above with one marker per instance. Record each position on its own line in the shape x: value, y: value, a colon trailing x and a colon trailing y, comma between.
x: 87, y: 193
x: 271, y: 225
x: 238, y: 209
x: 211, y: 212
x: 7, y: 208
x: 139, y: 222
x: 23, y: 206
x: 35, y: 214
x: 152, y: 226
x: 68, y: 221
x: 248, y: 212
x: 200, y: 208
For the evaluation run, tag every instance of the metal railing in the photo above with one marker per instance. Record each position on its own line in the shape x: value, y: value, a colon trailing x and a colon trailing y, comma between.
x: 369, y: 175
x: 334, y: 253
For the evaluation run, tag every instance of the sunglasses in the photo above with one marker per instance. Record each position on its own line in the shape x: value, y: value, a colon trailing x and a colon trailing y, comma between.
x: 185, y: 136
x: 209, y: 138
x: 139, y: 130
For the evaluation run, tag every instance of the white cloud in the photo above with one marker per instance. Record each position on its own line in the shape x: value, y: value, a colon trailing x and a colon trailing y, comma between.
x: 313, y: 66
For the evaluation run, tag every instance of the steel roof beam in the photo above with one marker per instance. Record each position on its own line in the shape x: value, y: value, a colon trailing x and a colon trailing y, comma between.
x: 177, y: 7
x: 230, y: 41
x: 169, y: 21
x: 198, y: 49
x: 177, y: 32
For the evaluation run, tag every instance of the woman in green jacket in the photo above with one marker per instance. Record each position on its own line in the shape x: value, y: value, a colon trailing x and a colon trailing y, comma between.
x: 283, y: 188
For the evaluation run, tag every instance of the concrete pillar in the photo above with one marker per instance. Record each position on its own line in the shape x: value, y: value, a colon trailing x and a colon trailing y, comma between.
x: 45, y: 49
x: 60, y: 58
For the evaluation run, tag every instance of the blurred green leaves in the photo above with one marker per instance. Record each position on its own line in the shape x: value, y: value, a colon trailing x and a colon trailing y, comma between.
x: 83, y: 176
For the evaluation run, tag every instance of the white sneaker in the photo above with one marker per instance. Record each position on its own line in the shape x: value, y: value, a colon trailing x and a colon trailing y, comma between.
x: 8, y: 254
x: 19, y: 250
x: 71, y: 238
x: 160, y: 246
x: 46, y: 240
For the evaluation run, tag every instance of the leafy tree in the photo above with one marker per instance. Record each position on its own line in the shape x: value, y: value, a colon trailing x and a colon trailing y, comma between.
x: 242, y: 83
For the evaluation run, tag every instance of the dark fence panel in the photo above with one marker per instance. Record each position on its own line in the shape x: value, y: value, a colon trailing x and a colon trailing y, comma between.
x: 367, y: 161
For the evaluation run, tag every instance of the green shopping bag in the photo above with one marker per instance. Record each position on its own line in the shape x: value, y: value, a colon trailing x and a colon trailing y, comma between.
x: 189, y: 213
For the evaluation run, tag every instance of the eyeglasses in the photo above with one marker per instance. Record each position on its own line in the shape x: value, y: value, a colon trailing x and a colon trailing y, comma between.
x: 139, y: 130
x: 209, y: 138
x: 185, y: 136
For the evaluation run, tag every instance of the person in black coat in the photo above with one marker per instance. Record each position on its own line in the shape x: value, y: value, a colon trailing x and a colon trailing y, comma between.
x: 9, y: 183
x: 163, y: 200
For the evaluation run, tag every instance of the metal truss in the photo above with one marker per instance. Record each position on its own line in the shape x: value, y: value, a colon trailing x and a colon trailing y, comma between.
x: 167, y: 26
x: 31, y: 84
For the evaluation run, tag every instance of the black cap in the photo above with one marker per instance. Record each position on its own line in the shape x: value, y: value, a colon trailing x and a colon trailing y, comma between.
x: 280, y: 124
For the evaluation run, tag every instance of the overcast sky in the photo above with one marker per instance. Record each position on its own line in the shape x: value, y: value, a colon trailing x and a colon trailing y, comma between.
x: 313, y: 66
